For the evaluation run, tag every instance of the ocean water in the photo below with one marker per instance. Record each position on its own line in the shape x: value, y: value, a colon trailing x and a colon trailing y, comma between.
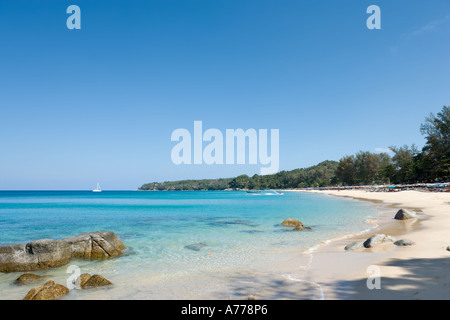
x: 241, y: 247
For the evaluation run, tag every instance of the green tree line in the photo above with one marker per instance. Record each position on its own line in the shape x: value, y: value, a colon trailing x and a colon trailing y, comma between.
x: 407, y: 164
x: 319, y: 175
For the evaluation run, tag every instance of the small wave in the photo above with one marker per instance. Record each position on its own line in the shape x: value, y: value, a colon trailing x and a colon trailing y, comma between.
x: 321, y: 295
x: 314, y: 248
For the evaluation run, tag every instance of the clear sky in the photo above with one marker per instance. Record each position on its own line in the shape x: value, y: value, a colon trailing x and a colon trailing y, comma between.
x: 100, y: 103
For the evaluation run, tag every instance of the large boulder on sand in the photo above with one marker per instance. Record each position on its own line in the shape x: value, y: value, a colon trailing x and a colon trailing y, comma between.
x: 404, y: 243
x: 404, y: 214
x: 35, y: 255
x: 377, y: 239
x: 354, y: 246
x: 96, y: 245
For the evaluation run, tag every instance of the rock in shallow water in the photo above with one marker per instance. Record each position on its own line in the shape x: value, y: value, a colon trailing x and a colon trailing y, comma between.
x: 88, y: 281
x: 27, y: 278
x: 290, y: 222
x: 404, y: 214
x: 301, y: 227
x: 48, y: 253
x: 48, y: 291
x: 96, y: 245
x: 297, y: 224
x: 82, y: 279
x: 35, y: 255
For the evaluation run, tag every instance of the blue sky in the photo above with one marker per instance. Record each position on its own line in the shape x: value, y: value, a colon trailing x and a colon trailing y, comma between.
x: 100, y: 103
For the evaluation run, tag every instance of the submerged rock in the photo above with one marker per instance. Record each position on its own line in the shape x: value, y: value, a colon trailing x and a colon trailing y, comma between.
x: 404, y: 214
x: 27, y: 278
x: 48, y: 291
x: 196, y: 246
x: 377, y: 239
x: 233, y: 222
x: 251, y: 231
x: 301, y: 227
x: 404, y: 243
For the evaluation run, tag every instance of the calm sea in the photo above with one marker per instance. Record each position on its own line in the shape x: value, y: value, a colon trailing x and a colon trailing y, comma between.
x: 236, y: 236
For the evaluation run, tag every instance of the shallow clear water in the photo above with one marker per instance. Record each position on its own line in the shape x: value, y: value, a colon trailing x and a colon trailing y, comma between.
x: 239, y: 233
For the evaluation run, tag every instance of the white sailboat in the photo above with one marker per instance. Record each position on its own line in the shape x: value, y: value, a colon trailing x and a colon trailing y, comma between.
x: 98, y: 189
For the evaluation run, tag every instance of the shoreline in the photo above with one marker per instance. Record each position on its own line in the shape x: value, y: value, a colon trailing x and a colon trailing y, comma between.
x: 413, y: 272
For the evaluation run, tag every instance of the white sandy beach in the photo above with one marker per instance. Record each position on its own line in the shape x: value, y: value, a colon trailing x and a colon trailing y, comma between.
x: 413, y: 272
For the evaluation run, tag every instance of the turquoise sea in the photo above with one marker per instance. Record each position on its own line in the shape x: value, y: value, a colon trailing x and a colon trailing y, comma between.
x: 240, y: 237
